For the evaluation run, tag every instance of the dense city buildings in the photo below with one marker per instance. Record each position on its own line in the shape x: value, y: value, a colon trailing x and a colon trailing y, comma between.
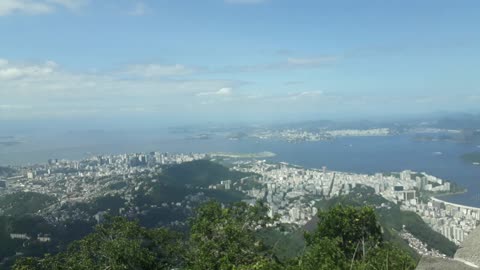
x: 298, y: 134
x: 291, y: 192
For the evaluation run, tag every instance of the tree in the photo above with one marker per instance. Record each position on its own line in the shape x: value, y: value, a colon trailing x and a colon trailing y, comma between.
x: 324, y: 254
x: 351, y: 238
x: 224, y: 237
x: 388, y: 256
x: 117, y: 244
x: 357, y: 229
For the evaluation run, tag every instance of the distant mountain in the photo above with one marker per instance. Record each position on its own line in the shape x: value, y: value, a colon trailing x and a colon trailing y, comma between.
x: 459, y: 121
x: 473, y: 157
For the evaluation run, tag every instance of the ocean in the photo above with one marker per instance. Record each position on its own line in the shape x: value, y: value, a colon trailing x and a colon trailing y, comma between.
x: 349, y: 154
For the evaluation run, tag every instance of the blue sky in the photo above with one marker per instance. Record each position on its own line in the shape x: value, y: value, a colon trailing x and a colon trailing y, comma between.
x: 241, y: 60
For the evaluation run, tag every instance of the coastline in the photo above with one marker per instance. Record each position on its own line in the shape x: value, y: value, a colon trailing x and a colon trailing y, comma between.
x: 455, y: 204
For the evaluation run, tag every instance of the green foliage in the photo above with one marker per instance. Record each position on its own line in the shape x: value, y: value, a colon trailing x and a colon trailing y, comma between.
x: 227, y: 238
x: 387, y: 256
x: 117, y: 244
x: 224, y: 238
x: 357, y: 229
x: 21, y: 203
x: 415, y: 225
x: 392, y: 219
x: 351, y: 238
x: 285, y: 244
x: 323, y: 254
x: 109, y: 202
x: 29, y: 225
x: 173, y: 184
x: 201, y: 173
x: 225, y: 196
x: 158, y: 193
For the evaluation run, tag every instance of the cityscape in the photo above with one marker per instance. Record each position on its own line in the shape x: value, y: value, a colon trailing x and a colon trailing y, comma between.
x: 239, y: 135
x: 292, y: 193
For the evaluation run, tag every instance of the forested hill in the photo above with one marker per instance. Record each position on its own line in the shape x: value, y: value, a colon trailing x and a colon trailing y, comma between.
x: 200, y: 173
x: 23, y: 203
x: 393, y: 219
x: 225, y: 238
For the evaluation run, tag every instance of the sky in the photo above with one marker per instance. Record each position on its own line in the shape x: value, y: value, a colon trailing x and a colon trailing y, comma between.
x: 191, y: 61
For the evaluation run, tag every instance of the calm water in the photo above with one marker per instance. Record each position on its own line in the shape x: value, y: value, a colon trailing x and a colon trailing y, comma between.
x: 362, y: 155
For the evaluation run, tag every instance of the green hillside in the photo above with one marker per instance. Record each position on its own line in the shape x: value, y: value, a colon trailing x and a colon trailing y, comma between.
x: 200, y: 173
x: 21, y: 203
x: 226, y: 237
x: 392, y: 219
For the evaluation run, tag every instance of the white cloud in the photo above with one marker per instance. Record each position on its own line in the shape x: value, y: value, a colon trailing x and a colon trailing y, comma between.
x: 245, y: 1
x: 10, y: 72
x: 47, y: 90
x: 315, y: 61
x: 8, y: 7
x: 34, y: 7
x: 287, y: 64
x: 14, y: 107
x: 70, y: 4
x: 156, y: 70
x: 139, y: 9
x: 225, y: 91
x: 305, y: 94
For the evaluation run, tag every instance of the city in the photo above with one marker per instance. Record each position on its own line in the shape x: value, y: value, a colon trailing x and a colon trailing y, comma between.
x: 291, y: 192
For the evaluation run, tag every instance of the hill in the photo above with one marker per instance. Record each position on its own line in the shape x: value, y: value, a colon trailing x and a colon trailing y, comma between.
x: 225, y: 237
x: 21, y: 203
x: 200, y: 173
x: 393, y: 219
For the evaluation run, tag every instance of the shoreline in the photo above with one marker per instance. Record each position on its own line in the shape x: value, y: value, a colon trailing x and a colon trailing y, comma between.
x: 455, y: 204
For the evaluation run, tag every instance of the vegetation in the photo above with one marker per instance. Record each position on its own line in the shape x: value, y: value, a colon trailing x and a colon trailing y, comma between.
x: 392, y: 220
x: 224, y: 238
x: 285, y: 243
x: 227, y: 238
x: 351, y: 238
x: 346, y: 234
x: 31, y: 226
x: 201, y: 173
x: 117, y: 244
x: 21, y: 203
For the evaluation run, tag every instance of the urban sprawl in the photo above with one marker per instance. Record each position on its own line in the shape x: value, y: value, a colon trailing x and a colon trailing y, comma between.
x: 291, y: 192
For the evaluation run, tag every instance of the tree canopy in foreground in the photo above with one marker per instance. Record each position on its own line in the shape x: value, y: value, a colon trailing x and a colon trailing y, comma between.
x: 224, y: 238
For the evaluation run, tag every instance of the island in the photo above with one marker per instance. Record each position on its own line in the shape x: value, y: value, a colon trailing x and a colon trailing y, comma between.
x: 473, y: 157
